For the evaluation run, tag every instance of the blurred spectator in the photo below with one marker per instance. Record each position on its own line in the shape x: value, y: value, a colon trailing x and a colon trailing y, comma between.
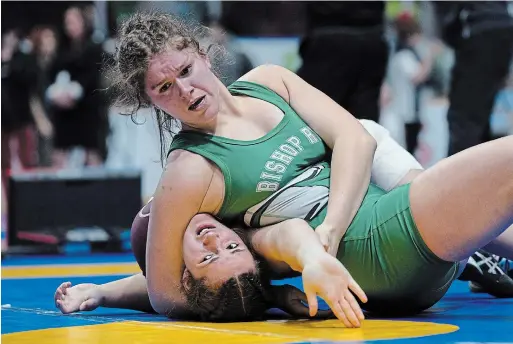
x: 91, y: 18
x: 17, y: 121
x: 409, y: 70
x: 18, y: 84
x: 75, y: 94
x: 45, y: 49
x: 345, y: 53
x: 481, y: 34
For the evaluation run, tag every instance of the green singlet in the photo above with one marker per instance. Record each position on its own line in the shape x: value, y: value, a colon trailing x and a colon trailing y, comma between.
x: 286, y: 174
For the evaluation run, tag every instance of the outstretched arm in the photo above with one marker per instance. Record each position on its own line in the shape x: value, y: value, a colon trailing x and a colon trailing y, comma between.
x: 130, y: 293
x: 295, y: 243
x: 126, y: 293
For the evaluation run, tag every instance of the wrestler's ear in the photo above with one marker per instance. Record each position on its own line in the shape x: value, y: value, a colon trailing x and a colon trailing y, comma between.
x: 187, y: 280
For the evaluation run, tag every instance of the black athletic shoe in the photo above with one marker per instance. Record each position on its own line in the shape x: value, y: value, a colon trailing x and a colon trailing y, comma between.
x: 485, y: 274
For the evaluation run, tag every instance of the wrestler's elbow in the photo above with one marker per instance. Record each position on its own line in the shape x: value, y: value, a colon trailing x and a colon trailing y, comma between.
x: 167, y: 306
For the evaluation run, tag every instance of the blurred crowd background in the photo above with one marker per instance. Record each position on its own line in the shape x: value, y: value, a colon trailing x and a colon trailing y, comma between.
x: 56, y: 115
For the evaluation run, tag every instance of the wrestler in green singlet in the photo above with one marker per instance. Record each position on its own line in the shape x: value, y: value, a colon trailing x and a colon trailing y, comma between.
x: 286, y: 174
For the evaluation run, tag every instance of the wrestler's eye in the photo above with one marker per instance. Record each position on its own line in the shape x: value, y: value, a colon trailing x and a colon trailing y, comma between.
x: 232, y: 246
x: 207, y: 257
x: 186, y: 71
x: 165, y: 87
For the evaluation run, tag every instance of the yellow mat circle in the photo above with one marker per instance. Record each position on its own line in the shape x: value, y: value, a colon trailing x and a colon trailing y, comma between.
x: 236, y: 333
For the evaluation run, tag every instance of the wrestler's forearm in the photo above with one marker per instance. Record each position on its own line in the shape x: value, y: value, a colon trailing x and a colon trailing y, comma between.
x: 350, y: 176
x: 128, y: 293
x: 293, y: 242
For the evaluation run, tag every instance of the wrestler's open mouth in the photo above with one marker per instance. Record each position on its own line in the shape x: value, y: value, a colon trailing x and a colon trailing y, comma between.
x: 196, y: 103
x: 204, y: 228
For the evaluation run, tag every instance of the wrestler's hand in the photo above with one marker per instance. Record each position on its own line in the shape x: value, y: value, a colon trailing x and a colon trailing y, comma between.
x: 329, y: 279
x: 293, y: 301
x: 330, y: 238
x: 82, y: 297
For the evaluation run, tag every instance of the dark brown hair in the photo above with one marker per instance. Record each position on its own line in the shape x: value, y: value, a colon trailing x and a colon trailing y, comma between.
x: 240, y: 298
x: 406, y: 26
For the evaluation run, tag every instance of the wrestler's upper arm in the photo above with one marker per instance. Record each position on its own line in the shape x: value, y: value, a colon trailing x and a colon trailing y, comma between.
x: 179, y: 196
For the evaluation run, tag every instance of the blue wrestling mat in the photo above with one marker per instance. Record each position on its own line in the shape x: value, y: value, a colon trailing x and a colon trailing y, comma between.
x: 29, y: 314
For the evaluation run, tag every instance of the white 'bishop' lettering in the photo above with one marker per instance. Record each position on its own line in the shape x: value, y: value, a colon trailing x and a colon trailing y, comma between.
x: 281, y: 158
